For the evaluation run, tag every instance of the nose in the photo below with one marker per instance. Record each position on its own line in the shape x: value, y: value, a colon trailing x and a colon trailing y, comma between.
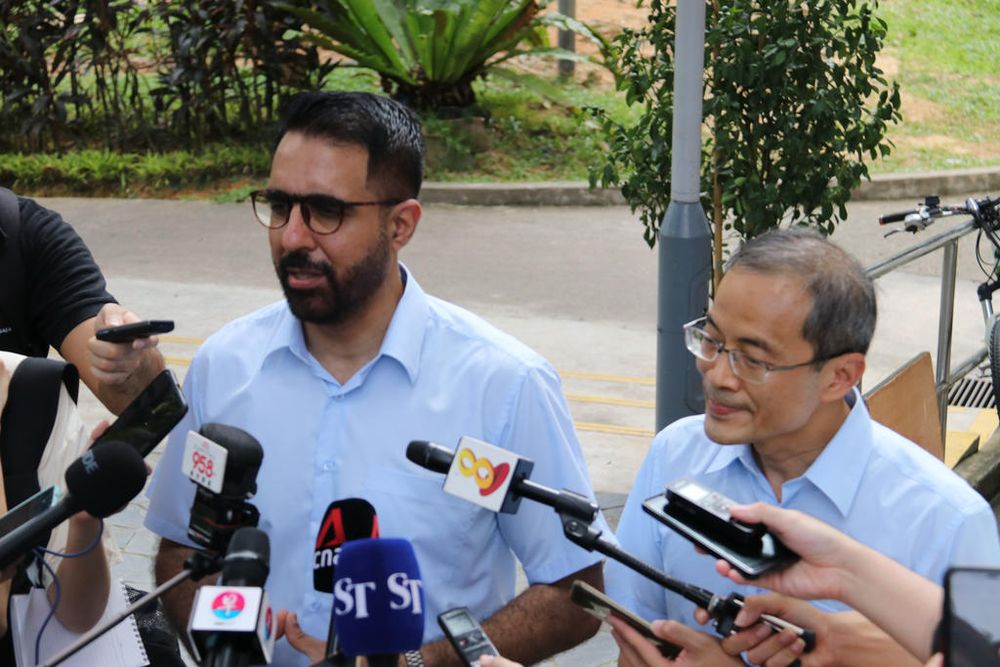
x: 720, y: 372
x: 296, y: 234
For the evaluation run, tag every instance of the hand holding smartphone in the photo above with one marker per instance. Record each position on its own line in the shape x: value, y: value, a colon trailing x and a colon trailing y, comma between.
x: 150, y: 416
x: 126, y: 333
x: 599, y: 605
x: 702, y: 516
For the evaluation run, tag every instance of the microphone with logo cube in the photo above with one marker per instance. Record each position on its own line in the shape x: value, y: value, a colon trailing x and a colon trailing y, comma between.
x: 471, y: 475
x: 232, y: 624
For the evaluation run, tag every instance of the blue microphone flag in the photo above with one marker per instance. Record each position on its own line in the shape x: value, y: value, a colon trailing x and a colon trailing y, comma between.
x: 378, y: 597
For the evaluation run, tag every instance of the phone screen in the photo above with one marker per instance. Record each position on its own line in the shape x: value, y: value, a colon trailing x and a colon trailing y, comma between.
x: 150, y: 416
x: 599, y: 605
x: 24, y: 512
x: 31, y: 507
x: 972, y: 621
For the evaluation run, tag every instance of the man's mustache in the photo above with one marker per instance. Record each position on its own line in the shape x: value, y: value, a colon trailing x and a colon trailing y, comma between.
x: 300, y: 261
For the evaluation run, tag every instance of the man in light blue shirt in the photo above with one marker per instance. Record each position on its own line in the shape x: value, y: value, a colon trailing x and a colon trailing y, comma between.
x: 781, y: 351
x: 357, y: 362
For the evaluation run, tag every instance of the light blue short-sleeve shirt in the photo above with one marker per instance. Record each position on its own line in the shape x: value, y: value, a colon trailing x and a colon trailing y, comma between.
x: 441, y: 373
x: 868, y: 482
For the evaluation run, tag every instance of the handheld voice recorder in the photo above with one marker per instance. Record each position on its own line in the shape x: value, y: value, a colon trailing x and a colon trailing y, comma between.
x: 466, y: 635
x: 702, y: 516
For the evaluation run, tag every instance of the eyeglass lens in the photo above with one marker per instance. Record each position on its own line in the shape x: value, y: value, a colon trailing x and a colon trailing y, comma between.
x: 701, y: 345
x: 321, y: 213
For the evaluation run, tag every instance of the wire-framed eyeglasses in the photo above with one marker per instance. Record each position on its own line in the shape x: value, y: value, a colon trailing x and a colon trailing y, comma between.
x: 322, y: 214
x: 745, y: 367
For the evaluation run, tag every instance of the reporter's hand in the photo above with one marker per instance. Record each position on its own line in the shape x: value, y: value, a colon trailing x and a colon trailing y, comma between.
x: 763, y: 645
x: 287, y: 625
x: 698, y: 648
x: 114, y: 363
x: 824, y: 552
x: 842, y: 638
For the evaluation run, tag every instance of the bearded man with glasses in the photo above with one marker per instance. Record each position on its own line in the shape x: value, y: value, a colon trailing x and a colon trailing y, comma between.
x: 356, y: 362
x: 781, y: 352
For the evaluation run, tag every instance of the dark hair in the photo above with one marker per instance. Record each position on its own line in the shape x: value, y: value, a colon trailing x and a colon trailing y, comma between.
x: 843, y: 314
x: 385, y: 128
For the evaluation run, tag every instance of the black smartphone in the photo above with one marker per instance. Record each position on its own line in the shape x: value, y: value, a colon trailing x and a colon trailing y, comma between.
x: 771, y: 554
x: 596, y: 603
x: 126, y: 333
x: 971, y: 624
x: 150, y: 416
x: 466, y: 635
x: 24, y: 512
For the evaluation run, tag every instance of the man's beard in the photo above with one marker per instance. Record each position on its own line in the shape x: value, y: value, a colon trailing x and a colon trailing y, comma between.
x: 342, y: 296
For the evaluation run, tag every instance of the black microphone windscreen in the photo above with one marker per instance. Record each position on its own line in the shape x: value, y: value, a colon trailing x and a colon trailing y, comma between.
x: 244, y: 455
x: 430, y: 455
x: 345, y: 520
x: 246, y: 563
x: 106, y: 477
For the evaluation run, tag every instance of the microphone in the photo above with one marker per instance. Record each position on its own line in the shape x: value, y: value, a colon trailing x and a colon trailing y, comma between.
x: 482, y: 473
x: 223, y: 462
x: 378, y: 600
x: 344, y: 520
x: 219, y: 508
x: 232, y: 624
x: 577, y: 513
x: 102, y: 481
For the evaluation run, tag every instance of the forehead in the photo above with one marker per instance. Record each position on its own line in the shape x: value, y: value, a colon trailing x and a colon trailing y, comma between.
x: 303, y: 164
x: 761, y: 310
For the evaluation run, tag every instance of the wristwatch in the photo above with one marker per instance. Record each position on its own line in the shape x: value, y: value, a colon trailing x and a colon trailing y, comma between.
x: 414, y: 659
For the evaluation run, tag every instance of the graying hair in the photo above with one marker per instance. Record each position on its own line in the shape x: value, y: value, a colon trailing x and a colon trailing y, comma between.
x: 843, y: 312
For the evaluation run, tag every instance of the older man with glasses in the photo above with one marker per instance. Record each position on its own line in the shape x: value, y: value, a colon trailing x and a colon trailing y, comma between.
x: 356, y: 362
x: 781, y: 352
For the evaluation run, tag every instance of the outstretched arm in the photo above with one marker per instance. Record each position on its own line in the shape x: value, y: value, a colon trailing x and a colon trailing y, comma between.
x: 835, y: 566
x: 115, y: 372
x: 85, y: 581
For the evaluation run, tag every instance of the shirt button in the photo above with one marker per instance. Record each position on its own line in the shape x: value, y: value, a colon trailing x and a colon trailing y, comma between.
x: 329, y: 465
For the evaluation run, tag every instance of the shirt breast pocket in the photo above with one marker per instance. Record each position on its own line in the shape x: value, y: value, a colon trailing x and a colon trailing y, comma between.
x: 416, y: 507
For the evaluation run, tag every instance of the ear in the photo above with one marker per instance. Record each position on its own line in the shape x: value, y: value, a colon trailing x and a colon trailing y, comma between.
x: 841, y: 375
x: 403, y: 222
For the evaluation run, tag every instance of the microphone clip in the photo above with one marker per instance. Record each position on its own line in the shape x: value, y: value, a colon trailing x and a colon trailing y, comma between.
x: 579, y: 532
x: 202, y: 563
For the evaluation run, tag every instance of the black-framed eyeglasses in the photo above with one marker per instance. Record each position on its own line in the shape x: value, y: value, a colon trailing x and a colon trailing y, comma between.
x: 745, y: 367
x: 323, y: 214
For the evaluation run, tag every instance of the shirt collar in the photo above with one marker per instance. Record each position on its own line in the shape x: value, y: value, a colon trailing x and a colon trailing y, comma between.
x: 403, y: 340
x: 725, y: 455
x: 405, y: 337
x: 837, y: 471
